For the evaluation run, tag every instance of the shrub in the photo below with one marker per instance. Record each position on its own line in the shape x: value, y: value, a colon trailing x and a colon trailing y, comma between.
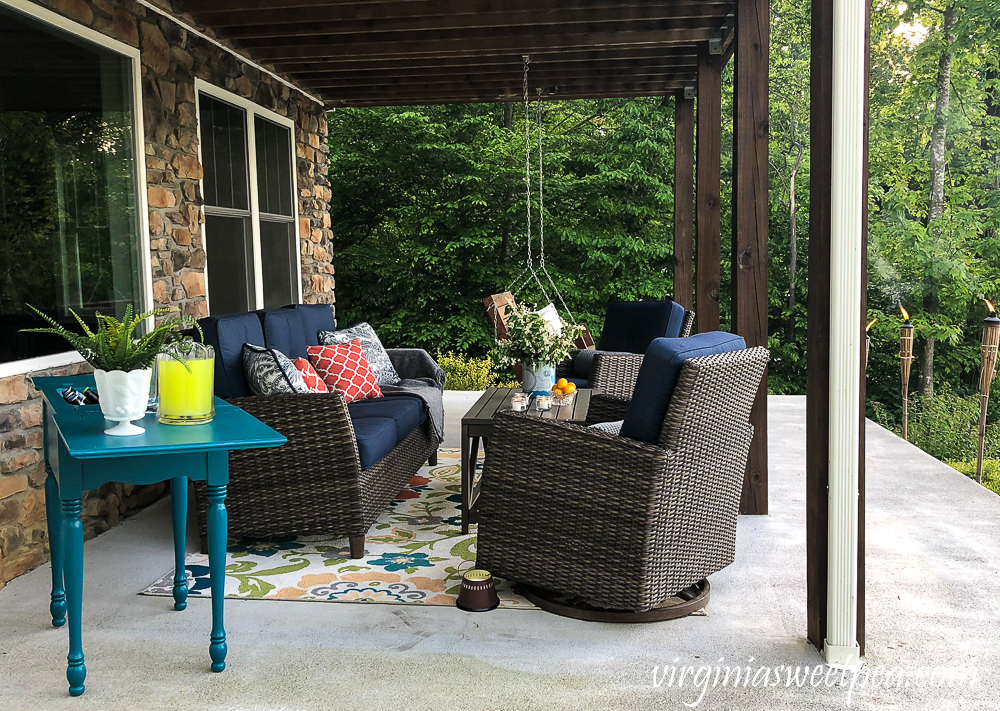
x: 469, y: 373
x: 945, y: 425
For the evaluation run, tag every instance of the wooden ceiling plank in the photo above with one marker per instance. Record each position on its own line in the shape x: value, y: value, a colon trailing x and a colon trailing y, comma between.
x: 479, y: 88
x: 242, y: 13
x: 490, y: 62
x: 622, y: 30
x: 266, y: 28
x: 507, y: 81
x: 397, y: 100
x: 493, y: 45
x: 536, y: 73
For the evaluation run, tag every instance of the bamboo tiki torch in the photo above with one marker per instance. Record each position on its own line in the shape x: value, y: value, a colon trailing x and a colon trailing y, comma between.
x: 868, y: 340
x: 905, y: 361
x: 991, y: 338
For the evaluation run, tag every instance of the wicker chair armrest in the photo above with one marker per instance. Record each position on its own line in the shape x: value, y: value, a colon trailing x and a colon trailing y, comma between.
x: 317, y: 425
x: 606, y: 408
x: 688, y: 324
x: 615, y: 374
x: 413, y: 363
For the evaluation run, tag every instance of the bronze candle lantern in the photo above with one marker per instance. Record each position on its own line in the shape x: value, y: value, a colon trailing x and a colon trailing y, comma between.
x: 987, y: 370
x: 905, y: 361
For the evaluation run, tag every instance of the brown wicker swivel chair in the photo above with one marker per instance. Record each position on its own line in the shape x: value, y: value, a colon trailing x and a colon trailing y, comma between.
x: 612, y: 376
x: 615, y: 523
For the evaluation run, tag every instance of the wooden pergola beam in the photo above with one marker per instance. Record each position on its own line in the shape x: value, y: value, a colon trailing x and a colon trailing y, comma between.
x: 507, y: 78
x: 538, y: 71
x: 501, y: 59
x: 323, y: 22
x: 708, y: 219
x: 482, y: 97
x: 529, y: 42
x: 386, y: 16
x: 683, y: 199
x: 750, y: 218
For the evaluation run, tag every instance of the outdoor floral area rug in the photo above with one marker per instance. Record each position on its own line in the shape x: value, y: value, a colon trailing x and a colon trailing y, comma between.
x: 414, y: 554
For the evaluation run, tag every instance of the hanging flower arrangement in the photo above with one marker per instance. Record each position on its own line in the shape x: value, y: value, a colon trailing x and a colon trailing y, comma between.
x: 532, y: 341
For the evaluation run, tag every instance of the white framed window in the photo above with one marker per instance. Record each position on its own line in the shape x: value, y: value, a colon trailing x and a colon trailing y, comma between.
x: 251, y: 203
x: 73, y: 215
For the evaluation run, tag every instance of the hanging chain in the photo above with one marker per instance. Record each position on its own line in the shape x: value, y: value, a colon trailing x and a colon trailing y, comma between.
x: 527, y: 153
x: 541, y: 203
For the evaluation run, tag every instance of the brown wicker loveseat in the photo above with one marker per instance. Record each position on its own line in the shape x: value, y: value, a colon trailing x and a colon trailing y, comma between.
x: 325, y: 480
x: 625, y: 516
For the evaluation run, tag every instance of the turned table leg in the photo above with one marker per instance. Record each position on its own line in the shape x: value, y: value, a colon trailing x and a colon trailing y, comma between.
x: 217, y: 531
x: 54, y: 522
x: 179, y: 499
x: 72, y: 532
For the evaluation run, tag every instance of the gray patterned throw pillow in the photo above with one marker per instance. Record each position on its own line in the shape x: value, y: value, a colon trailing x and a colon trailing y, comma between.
x: 270, y: 372
x: 374, y: 352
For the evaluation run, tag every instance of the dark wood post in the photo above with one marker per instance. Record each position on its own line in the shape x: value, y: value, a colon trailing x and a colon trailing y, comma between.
x: 750, y: 214
x: 818, y: 335
x: 709, y: 215
x: 683, y: 199
x: 818, y: 329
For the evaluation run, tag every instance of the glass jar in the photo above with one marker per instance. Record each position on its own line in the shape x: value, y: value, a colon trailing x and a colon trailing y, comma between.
x: 186, y: 391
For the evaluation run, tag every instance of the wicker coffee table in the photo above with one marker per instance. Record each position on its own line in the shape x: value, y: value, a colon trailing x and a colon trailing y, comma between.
x: 477, y: 426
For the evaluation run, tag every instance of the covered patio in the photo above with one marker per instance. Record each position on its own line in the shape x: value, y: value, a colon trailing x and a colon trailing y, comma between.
x: 932, y: 602
x: 799, y: 582
x: 390, y: 53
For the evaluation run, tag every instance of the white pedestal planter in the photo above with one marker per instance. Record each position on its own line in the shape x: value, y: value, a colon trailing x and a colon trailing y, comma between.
x: 124, y: 397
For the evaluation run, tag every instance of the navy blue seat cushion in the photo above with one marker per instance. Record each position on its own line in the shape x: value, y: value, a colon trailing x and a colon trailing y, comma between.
x: 284, y: 331
x: 630, y: 326
x: 661, y: 367
x: 408, y: 412
x: 376, y: 437
x: 227, y: 334
x: 315, y: 318
x: 579, y: 382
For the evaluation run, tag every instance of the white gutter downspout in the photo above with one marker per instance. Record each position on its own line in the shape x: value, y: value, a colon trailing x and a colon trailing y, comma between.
x: 841, y: 645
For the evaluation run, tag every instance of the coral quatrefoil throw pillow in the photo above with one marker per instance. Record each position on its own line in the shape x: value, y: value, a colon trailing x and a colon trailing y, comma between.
x: 309, y: 376
x: 345, y: 369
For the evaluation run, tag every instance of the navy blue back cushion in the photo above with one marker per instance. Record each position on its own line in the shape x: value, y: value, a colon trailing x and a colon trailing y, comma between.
x: 227, y: 334
x: 284, y: 332
x: 661, y: 367
x: 315, y: 318
x: 630, y: 326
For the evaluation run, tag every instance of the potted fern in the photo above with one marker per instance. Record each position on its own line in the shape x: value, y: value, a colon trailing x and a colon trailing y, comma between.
x: 122, y: 360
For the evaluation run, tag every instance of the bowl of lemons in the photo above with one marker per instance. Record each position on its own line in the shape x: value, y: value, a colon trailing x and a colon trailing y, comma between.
x: 563, y: 392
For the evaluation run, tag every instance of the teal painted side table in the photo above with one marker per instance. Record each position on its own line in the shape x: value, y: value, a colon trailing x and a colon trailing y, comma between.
x: 80, y: 457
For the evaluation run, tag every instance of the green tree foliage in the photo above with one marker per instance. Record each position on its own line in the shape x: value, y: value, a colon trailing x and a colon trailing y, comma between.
x: 430, y: 218
x: 429, y: 205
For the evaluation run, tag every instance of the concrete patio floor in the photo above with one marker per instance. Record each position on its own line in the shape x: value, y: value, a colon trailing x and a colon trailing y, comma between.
x: 933, y: 600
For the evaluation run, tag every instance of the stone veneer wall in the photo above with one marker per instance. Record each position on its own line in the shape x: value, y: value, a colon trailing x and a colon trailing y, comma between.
x: 171, y: 58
